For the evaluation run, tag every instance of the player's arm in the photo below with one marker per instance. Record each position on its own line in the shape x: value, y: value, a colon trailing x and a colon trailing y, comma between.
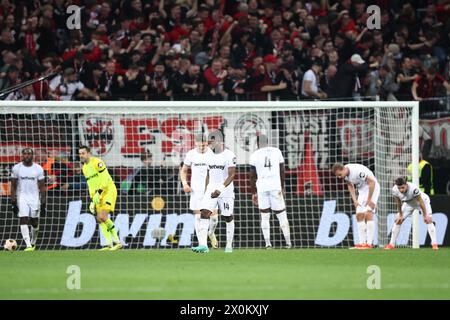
x: 230, y: 179
x: 253, y: 190
x: 14, y: 207
x: 183, y: 177
x: 399, y: 209
x: 206, y: 180
x: 282, y: 178
x: 43, y: 195
x: 371, y: 184
x: 351, y: 189
x: 104, y: 179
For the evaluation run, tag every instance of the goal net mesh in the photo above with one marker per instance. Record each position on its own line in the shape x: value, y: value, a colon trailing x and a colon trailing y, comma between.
x: 143, y: 147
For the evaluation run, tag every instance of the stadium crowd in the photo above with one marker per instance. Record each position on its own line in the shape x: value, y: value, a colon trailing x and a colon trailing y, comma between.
x: 226, y: 50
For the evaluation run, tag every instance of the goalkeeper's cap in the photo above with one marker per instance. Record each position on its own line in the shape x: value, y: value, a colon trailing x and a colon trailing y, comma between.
x: 27, y: 150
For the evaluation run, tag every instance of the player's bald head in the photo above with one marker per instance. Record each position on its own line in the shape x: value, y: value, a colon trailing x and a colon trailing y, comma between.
x: 201, y: 137
x: 262, y: 140
x: 216, y: 141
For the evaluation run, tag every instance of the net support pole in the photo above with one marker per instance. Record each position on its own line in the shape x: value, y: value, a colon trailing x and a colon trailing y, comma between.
x: 415, y: 170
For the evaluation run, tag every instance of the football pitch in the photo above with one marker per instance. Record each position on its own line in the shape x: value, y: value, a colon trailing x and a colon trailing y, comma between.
x: 244, y: 274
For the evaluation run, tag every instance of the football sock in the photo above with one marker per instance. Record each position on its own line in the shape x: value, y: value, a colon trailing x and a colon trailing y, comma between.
x: 230, y: 233
x: 197, y: 224
x: 106, y: 233
x: 265, y: 226
x: 34, y: 233
x: 213, y: 220
x: 370, y: 231
x: 112, y: 230
x: 284, y: 225
x: 395, y: 232
x: 432, y: 232
x: 203, y: 232
x: 25, y: 234
x: 362, y: 231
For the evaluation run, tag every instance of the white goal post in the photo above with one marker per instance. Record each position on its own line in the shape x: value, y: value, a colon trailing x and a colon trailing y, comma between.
x: 144, y: 142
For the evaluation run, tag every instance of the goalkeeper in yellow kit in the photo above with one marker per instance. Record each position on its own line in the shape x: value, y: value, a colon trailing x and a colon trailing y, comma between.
x: 103, y: 193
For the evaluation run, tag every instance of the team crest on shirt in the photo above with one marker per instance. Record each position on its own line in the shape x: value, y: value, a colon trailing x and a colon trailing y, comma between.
x: 246, y: 129
x: 97, y: 133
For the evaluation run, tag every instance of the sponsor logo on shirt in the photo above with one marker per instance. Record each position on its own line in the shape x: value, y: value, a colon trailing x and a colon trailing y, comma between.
x: 27, y: 178
x: 214, y: 166
x: 93, y: 176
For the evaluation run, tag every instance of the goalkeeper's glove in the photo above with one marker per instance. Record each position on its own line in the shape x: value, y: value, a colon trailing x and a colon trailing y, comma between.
x: 92, y: 207
x: 15, y: 208
x: 97, y: 196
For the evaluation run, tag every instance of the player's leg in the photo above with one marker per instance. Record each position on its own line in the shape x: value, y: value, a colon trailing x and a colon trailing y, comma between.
x: 264, y: 209
x: 370, y: 223
x: 102, y: 216
x: 226, y: 206
x: 34, y: 221
x: 213, y: 221
x: 203, y: 232
x: 24, y: 214
x: 361, y: 224
x: 194, y: 205
x: 370, y: 228
x: 279, y: 209
x: 429, y: 222
x: 34, y: 230
x: 406, y: 211
x: 107, y: 205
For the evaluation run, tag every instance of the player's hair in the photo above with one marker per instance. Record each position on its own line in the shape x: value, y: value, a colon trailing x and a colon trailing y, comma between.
x: 337, y: 166
x: 400, y: 181
x: 216, y: 135
x: 262, y: 140
x: 201, y: 137
x: 85, y: 148
x: 27, y: 150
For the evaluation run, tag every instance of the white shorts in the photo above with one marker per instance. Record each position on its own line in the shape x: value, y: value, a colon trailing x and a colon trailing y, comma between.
x: 362, y: 199
x: 28, y: 208
x: 195, y: 202
x: 225, y: 204
x: 408, y: 209
x: 271, y: 200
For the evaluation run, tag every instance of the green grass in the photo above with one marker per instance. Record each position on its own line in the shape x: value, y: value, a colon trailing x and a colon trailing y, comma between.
x: 244, y: 274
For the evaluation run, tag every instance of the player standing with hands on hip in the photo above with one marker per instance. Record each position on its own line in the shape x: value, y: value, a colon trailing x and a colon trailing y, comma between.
x: 267, y: 187
x: 362, y: 178
x: 28, y: 196
x: 219, y: 191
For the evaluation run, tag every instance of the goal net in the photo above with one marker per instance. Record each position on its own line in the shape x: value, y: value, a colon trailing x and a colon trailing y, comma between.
x: 144, y: 143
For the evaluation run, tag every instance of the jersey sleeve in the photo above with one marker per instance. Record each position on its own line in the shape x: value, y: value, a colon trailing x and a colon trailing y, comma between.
x: 280, y: 157
x: 252, y: 161
x: 99, y: 165
x: 187, y: 160
x: 41, y: 174
x: 416, y: 192
x: 15, y: 172
x: 394, y: 192
x: 232, y: 160
x: 362, y: 175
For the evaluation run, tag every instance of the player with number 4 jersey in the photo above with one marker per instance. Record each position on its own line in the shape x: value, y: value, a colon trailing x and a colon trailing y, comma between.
x: 267, y: 186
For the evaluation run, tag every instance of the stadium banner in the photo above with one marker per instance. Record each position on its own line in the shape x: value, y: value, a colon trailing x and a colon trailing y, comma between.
x: 68, y: 224
x: 121, y: 139
x: 439, y: 130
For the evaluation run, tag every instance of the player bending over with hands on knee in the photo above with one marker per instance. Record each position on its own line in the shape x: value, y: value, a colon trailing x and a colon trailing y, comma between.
x: 358, y: 176
x: 409, y: 198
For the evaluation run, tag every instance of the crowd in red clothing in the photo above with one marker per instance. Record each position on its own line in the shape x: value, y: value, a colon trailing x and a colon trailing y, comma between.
x: 226, y: 50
